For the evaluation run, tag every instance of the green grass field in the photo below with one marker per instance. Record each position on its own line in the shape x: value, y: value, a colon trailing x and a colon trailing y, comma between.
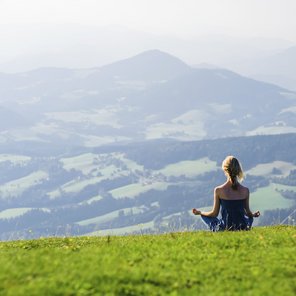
x: 258, y: 262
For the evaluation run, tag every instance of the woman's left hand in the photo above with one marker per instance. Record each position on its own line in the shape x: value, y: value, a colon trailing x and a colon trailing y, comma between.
x: 256, y: 214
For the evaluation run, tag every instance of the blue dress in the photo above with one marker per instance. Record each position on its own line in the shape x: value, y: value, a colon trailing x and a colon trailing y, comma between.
x: 233, y: 216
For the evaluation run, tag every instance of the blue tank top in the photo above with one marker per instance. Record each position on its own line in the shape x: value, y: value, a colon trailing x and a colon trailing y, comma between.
x: 233, y: 214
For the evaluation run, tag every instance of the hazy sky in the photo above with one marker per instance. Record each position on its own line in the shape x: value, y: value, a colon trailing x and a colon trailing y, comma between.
x: 186, y: 18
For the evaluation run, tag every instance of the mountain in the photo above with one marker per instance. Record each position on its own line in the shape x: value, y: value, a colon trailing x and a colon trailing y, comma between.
x: 148, y: 96
x: 84, y: 46
x: 152, y: 65
x: 279, y: 68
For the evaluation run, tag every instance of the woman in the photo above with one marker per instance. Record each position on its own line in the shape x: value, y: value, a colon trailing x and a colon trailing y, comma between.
x: 234, y: 200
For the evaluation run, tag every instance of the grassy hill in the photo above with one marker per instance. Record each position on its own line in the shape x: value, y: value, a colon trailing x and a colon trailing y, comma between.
x: 259, y: 262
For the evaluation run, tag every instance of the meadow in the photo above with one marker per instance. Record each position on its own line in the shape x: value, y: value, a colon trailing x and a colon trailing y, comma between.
x: 258, y: 262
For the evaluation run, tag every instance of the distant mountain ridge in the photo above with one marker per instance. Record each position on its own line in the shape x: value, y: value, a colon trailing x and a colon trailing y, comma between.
x: 151, y: 95
x: 279, y: 68
x: 152, y: 65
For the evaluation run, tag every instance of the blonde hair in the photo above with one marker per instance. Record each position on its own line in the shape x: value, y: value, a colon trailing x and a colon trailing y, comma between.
x: 233, y: 170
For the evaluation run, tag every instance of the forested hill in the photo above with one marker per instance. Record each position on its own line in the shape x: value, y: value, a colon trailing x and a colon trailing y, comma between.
x: 251, y: 150
x: 148, y: 186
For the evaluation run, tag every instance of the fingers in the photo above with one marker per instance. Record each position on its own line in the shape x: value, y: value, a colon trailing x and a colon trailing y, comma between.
x: 257, y: 214
x: 195, y: 211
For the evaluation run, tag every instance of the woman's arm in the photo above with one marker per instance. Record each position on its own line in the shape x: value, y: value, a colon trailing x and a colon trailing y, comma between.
x: 215, y: 211
x: 247, y: 207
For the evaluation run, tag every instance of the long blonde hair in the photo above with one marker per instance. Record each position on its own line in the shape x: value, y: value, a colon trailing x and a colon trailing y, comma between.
x: 233, y: 170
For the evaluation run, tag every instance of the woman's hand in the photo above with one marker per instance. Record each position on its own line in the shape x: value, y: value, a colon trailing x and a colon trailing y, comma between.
x: 196, y: 212
x: 256, y: 214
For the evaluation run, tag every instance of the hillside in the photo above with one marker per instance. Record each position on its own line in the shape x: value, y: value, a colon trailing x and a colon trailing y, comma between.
x: 148, y: 186
x: 258, y: 262
x: 152, y: 95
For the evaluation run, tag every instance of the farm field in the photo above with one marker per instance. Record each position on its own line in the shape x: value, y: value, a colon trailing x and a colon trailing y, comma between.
x: 132, y: 190
x: 189, y: 168
x: 187, y: 263
x: 268, y: 198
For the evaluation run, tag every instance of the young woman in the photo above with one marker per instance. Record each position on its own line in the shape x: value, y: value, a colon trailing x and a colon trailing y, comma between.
x: 234, y: 200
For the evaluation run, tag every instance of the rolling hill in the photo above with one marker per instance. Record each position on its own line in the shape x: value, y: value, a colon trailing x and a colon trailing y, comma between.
x: 148, y: 186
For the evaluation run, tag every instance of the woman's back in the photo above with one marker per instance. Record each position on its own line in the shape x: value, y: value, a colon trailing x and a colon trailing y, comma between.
x: 233, y: 204
x: 225, y: 191
x: 233, y: 214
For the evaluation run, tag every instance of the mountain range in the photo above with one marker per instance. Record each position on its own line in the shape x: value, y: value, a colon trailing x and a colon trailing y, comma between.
x: 148, y: 96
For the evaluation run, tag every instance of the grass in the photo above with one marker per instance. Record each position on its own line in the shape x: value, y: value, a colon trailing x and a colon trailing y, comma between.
x: 124, y: 230
x: 258, y: 262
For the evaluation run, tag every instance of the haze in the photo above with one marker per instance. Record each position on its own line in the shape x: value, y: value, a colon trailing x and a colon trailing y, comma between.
x: 268, y: 18
x: 86, y: 33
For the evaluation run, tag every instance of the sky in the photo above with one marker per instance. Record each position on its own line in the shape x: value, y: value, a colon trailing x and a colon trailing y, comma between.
x: 182, y: 18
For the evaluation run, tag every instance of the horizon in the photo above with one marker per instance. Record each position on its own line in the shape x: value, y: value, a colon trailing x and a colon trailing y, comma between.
x: 84, y: 34
x: 176, y: 18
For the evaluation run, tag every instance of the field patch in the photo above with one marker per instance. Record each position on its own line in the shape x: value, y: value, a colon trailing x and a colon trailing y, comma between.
x: 98, y: 117
x: 17, y: 187
x: 16, y: 212
x: 132, y: 190
x: 187, y: 127
x: 112, y: 215
x: 91, y: 200
x: 268, y: 198
x: 266, y: 169
x: 74, y: 186
x: 189, y: 168
x: 103, y: 164
x: 284, y: 187
x: 15, y: 159
x: 13, y: 213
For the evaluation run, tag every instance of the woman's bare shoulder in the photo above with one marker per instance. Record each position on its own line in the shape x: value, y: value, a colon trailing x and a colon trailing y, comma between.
x: 244, y: 189
x: 220, y: 189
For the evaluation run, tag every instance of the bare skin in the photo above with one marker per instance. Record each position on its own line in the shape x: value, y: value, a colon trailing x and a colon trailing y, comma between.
x: 225, y: 191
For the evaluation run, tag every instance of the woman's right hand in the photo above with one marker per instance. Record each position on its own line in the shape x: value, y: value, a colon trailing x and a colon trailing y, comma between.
x: 196, y: 212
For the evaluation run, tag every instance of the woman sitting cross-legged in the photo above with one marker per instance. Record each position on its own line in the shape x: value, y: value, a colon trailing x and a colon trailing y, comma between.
x: 234, y: 200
